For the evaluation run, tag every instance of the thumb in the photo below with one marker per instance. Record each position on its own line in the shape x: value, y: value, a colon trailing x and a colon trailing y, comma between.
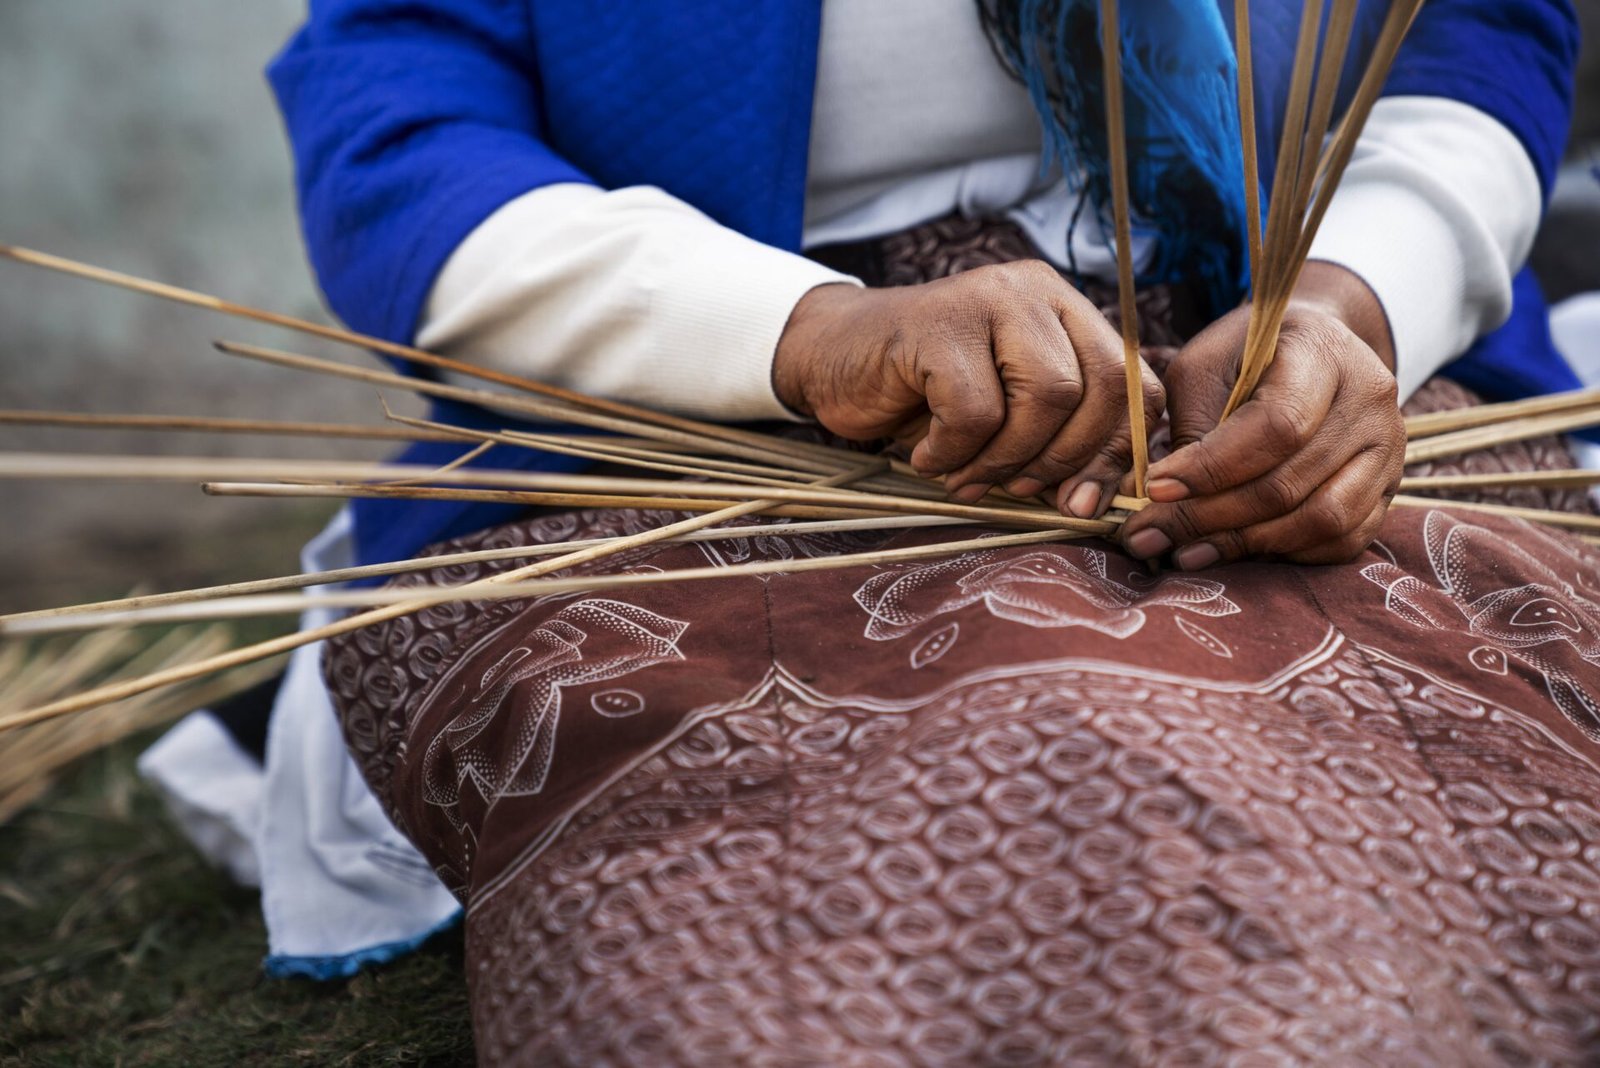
x: 1201, y: 378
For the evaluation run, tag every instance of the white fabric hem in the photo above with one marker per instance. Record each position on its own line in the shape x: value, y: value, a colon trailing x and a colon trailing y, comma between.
x: 339, y: 884
x: 213, y: 791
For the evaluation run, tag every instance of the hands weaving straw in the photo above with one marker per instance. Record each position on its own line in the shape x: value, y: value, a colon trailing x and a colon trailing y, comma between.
x: 1306, y: 468
x: 1004, y: 375
x: 1288, y: 441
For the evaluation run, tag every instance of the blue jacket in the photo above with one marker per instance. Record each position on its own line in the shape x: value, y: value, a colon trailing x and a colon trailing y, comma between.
x: 413, y: 120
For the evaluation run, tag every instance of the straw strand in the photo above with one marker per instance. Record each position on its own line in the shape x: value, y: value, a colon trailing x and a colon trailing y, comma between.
x: 1117, y: 145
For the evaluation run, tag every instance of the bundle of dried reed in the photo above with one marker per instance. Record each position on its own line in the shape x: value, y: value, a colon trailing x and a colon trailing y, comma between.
x: 32, y: 757
x: 1310, y: 162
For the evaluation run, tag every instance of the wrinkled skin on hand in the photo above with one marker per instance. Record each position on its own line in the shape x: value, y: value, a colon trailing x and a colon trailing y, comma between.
x: 1305, y: 469
x: 1007, y: 376
x: 1002, y: 376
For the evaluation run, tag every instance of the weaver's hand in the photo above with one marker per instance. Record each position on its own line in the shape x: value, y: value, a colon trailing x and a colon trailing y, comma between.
x: 1304, y: 469
x: 1004, y: 375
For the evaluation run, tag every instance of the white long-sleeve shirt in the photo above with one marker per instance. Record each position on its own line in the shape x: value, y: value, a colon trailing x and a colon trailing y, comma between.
x: 634, y: 294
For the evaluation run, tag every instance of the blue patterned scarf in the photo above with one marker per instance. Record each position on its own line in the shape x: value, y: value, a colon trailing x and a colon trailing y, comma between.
x: 1179, y: 68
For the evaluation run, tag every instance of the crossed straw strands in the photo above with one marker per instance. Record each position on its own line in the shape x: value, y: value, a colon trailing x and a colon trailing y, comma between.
x: 740, y: 473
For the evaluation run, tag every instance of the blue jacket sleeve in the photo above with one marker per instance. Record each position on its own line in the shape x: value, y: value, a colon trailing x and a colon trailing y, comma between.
x: 1514, y: 60
x: 411, y: 121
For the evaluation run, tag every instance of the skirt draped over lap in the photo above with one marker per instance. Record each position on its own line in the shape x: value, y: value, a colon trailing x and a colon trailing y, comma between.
x: 1020, y: 806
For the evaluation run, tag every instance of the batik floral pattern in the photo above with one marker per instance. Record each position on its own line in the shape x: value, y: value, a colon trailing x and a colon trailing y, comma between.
x: 1047, y: 588
x: 1533, y: 617
x: 590, y: 641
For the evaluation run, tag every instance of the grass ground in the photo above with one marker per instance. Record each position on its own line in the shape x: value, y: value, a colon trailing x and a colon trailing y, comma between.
x: 120, y: 946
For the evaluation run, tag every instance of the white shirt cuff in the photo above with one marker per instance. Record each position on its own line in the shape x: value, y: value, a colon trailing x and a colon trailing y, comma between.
x: 629, y: 294
x: 1436, y: 213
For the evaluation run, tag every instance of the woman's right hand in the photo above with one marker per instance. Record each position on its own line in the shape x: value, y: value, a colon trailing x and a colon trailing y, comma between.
x: 1001, y: 376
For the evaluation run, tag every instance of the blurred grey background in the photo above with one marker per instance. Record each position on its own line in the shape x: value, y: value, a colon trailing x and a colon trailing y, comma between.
x: 140, y: 135
x: 1586, y: 128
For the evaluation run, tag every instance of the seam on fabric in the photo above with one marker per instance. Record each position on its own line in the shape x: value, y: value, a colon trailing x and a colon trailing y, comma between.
x: 786, y: 820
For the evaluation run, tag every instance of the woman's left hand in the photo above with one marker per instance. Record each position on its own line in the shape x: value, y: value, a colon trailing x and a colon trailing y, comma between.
x: 1303, y: 470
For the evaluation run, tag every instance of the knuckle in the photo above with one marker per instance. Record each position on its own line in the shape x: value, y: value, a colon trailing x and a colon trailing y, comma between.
x: 1033, y: 273
x: 1000, y: 460
x: 1394, y: 439
x: 1232, y: 544
x: 1117, y: 451
x: 1369, y: 528
x: 1252, y: 542
x: 1277, y: 493
x: 1182, y: 526
x: 1005, y: 278
x: 1059, y: 460
x: 1111, y: 381
x: 1283, y: 428
x: 978, y: 418
x: 1103, y: 360
x: 1329, y: 517
x: 998, y: 273
x: 1309, y: 336
x: 980, y: 288
x: 1386, y: 391
x: 1394, y: 470
x: 991, y: 471
x: 1155, y: 398
x: 1210, y: 474
x: 1396, y: 419
x: 1110, y: 460
x: 1055, y: 393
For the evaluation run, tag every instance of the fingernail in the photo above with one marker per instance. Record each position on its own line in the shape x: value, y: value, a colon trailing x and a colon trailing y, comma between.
x: 1025, y: 487
x: 1196, y: 557
x: 1085, y: 500
x: 1148, y: 542
x: 972, y: 492
x: 1167, y: 490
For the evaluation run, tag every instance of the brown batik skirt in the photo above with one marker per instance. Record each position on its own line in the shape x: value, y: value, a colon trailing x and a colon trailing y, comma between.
x: 1021, y: 806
